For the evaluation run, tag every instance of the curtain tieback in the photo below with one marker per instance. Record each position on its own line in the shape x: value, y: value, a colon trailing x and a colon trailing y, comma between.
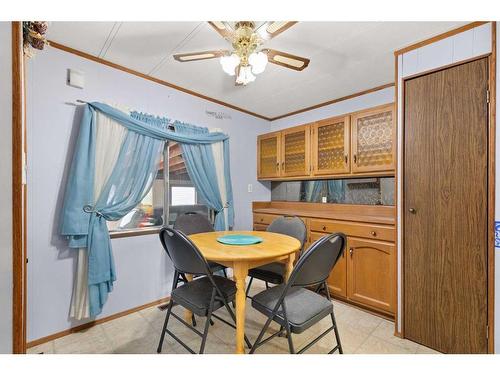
x: 224, y: 207
x: 91, y: 210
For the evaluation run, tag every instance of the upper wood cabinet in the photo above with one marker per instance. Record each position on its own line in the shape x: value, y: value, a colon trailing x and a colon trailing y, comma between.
x: 373, y: 140
x: 295, y: 151
x: 359, y: 144
x: 331, y: 146
x: 268, y: 155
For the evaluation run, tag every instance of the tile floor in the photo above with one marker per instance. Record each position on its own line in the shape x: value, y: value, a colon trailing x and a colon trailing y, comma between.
x: 360, y: 332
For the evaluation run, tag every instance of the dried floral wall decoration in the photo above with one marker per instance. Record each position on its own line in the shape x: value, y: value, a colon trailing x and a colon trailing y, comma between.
x: 34, y: 36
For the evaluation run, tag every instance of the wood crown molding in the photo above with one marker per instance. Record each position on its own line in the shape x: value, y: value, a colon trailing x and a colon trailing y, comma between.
x: 333, y: 101
x: 150, y: 78
x: 439, y: 37
x: 194, y: 93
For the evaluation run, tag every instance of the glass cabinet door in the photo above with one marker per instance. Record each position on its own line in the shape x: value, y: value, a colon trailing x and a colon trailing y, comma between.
x: 268, y: 155
x: 330, y: 146
x: 295, y: 151
x: 373, y: 140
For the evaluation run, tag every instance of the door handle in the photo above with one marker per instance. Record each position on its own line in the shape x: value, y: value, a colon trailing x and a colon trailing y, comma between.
x: 412, y: 210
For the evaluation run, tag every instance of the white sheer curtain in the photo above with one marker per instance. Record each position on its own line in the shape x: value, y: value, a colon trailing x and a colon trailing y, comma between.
x: 109, y: 138
x: 218, y: 151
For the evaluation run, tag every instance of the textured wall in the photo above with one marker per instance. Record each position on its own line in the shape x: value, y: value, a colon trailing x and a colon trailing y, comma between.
x: 143, y: 271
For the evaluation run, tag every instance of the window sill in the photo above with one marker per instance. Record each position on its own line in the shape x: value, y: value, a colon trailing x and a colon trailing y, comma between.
x: 134, y: 232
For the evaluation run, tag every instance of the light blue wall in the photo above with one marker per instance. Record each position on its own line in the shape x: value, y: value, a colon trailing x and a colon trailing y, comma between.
x: 5, y: 188
x: 143, y: 271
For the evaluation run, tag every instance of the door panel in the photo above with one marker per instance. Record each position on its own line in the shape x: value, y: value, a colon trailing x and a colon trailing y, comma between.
x: 268, y: 155
x: 445, y: 209
x: 337, y: 281
x: 370, y: 270
x: 330, y: 146
x: 295, y: 146
x: 373, y: 140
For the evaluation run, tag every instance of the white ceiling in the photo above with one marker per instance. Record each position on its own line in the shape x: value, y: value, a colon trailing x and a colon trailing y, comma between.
x: 346, y: 57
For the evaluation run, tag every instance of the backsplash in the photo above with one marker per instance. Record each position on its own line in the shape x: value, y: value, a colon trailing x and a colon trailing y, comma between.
x: 369, y: 191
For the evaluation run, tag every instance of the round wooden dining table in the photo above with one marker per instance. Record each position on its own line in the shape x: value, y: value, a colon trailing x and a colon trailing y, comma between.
x: 274, y: 247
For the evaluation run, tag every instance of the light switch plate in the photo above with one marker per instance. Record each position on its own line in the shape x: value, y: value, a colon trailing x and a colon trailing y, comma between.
x: 76, y: 78
x: 323, y: 199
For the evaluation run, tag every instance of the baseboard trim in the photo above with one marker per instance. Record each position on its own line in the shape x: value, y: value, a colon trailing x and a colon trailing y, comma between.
x: 84, y: 326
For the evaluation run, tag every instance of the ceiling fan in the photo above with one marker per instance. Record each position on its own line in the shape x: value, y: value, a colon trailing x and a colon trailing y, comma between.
x: 248, y: 58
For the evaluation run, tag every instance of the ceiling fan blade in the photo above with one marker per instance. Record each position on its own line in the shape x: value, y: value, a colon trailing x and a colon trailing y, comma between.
x: 223, y: 28
x: 286, y: 60
x: 270, y: 29
x: 203, y: 55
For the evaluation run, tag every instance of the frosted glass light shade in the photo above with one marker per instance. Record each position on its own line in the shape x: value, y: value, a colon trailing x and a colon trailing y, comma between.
x: 229, y: 63
x: 245, y: 76
x: 258, y: 61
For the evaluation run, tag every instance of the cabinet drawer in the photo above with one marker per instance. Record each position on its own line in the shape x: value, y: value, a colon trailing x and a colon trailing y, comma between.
x: 261, y: 227
x: 264, y: 218
x: 374, y: 231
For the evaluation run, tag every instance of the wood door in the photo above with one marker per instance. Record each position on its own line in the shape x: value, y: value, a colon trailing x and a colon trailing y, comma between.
x: 337, y: 281
x: 331, y: 143
x: 295, y: 151
x: 445, y: 208
x: 268, y: 155
x: 370, y: 273
x: 373, y: 140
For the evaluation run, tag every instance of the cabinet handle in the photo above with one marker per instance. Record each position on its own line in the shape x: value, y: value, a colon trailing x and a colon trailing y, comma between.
x: 277, y: 166
x: 351, y: 250
x: 412, y: 210
x: 373, y: 233
x: 355, y: 159
x: 346, y: 158
x: 324, y: 228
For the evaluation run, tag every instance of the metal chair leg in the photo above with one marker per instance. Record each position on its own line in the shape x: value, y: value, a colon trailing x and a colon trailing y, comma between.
x: 336, y: 331
x: 193, y: 320
x: 167, y: 317
x: 288, y: 332
x: 267, y: 285
x: 207, y: 324
x: 261, y: 334
x: 224, y: 272
x: 248, y: 287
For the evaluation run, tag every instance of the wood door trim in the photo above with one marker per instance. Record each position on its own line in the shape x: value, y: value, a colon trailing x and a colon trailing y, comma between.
x: 491, y: 184
x: 491, y: 190
x: 441, y: 36
x: 18, y: 246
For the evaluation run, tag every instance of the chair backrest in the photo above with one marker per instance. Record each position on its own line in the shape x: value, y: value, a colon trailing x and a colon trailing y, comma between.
x: 193, y: 222
x: 315, y: 265
x: 184, y: 254
x: 291, y: 226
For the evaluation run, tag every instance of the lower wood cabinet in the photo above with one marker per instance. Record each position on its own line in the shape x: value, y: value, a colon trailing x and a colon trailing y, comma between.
x: 370, y: 273
x: 365, y: 274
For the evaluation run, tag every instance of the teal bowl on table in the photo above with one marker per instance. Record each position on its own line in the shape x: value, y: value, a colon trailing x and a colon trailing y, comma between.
x: 239, y: 239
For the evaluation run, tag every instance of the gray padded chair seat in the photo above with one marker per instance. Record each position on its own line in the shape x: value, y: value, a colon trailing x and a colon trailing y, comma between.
x: 196, y: 294
x: 273, y: 273
x: 304, y: 307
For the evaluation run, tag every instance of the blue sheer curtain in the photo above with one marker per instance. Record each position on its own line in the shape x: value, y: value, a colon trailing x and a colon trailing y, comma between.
x: 84, y: 216
x: 200, y: 164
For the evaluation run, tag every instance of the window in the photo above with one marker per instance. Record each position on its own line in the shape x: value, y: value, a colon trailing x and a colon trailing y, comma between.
x: 156, y: 205
x: 182, y: 195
